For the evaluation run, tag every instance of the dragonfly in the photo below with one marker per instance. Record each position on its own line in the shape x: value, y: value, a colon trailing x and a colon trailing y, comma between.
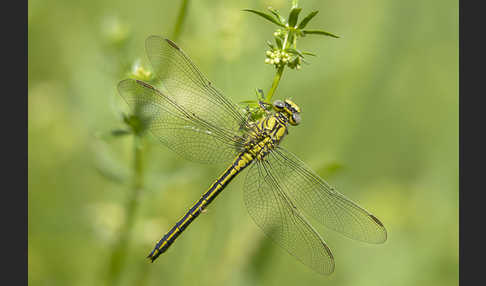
x: 189, y: 115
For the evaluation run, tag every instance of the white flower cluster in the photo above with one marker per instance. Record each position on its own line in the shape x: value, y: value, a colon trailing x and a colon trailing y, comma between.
x: 277, y: 57
x: 278, y: 33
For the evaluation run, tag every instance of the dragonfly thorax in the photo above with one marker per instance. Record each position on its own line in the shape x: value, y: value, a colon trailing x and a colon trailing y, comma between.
x: 266, y: 134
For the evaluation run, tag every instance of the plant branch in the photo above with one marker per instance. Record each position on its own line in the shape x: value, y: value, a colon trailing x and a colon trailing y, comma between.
x: 276, y: 80
x: 119, y: 253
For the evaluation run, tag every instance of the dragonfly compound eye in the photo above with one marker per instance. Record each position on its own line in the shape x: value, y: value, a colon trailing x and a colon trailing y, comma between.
x: 295, y: 119
x: 278, y: 105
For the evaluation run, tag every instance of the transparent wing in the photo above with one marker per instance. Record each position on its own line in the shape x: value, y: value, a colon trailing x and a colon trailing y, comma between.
x: 275, y: 214
x: 178, y: 128
x: 181, y: 80
x: 317, y: 199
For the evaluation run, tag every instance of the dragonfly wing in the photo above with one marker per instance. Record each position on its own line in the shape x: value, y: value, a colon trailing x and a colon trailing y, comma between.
x: 179, y: 129
x: 317, y: 199
x: 188, y: 87
x: 276, y: 215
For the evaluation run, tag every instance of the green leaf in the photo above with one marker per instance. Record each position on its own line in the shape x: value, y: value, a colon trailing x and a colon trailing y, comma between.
x: 272, y: 47
x: 248, y: 101
x: 309, y: 54
x: 106, y: 164
x: 138, y: 122
x: 260, y: 95
x: 279, y: 42
x: 299, y: 33
x: 109, y: 174
x: 295, y: 52
x: 252, y: 108
x: 251, y: 103
x: 119, y: 132
x: 307, y: 18
x: 320, y: 32
x: 277, y: 14
x: 294, y: 16
x: 291, y: 38
x: 266, y: 16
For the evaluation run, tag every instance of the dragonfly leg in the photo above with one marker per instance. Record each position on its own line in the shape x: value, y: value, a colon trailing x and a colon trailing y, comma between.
x: 248, y: 113
x: 260, y: 94
x: 264, y: 106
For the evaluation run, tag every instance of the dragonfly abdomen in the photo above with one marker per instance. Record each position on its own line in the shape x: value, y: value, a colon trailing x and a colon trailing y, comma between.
x: 241, y: 162
x: 266, y: 136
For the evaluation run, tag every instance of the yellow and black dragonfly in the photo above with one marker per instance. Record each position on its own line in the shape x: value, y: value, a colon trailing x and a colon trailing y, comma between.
x: 190, y: 116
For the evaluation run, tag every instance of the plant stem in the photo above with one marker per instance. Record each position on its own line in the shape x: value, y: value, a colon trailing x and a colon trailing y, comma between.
x: 279, y: 73
x: 119, y: 253
x: 180, y: 20
x: 275, y: 83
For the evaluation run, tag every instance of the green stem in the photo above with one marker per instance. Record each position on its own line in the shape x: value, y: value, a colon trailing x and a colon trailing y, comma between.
x: 284, y: 45
x: 120, y: 248
x: 276, y: 80
x: 279, y: 73
x: 180, y: 20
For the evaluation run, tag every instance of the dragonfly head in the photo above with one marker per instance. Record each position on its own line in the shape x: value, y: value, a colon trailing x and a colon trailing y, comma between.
x: 289, y: 109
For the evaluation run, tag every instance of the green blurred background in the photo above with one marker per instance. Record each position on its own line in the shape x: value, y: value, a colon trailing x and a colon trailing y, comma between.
x: 380, y: 122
